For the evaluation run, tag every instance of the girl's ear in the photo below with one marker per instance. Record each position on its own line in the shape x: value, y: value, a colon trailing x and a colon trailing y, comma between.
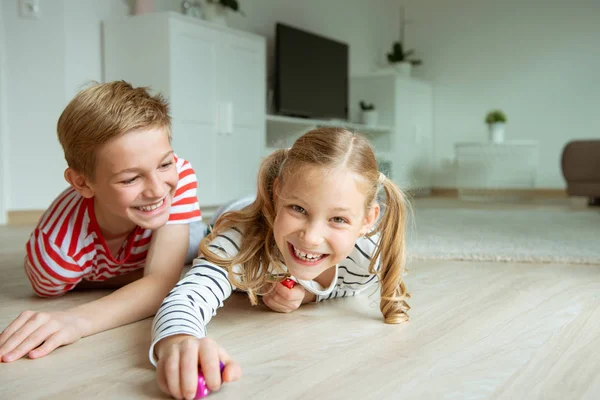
x: 79, y: 183
x: 370, y: 219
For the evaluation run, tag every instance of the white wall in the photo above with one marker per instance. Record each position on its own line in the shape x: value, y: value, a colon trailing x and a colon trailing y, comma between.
x: 536, y: 59
x: 50, y: 59
x: 47, y: 60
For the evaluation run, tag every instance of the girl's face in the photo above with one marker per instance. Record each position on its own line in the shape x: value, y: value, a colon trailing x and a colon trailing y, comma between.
x: 320, y: 214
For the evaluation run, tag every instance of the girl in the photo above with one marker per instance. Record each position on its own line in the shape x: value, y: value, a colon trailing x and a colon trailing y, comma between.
x: 315, y: 219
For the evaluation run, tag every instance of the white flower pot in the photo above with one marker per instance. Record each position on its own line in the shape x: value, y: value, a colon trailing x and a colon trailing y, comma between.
x: 497, y: 132
x: 403, y: 68
x: 369, y: 118
x: 215, y: 13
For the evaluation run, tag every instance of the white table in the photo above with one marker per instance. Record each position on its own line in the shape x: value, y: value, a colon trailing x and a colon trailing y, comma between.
x: 488, y: 169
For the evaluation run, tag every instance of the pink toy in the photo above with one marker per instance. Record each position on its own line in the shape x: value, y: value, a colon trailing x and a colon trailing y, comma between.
x: 203, y: 390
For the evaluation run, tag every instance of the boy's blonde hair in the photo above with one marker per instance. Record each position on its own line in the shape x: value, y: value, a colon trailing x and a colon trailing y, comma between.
x: 103, y: 112
x: 329, y: 148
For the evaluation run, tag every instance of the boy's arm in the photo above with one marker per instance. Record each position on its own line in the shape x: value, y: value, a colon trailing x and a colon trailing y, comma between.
x: 140, y: 299
x: 137, y: 300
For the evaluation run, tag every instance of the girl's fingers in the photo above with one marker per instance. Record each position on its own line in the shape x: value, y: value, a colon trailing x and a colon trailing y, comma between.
x: 290, y: 294
x: 208, y: 354
x: 161, y: 377
x: 171, y: 372
x: 51, y: 343
x: 188, y: 369
x: 232, y: 371
x: 273, y: 304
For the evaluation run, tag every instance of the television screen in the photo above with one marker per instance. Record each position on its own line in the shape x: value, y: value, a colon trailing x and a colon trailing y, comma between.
x: 311, y: 75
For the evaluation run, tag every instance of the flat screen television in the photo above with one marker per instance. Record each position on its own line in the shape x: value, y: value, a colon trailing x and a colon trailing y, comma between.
x: 311, y: 75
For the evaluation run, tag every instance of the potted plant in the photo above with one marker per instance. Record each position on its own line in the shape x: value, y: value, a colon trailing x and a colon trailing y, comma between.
x: 496, y: 120
x: 369, y: 115
x: 216, y: 10
x: 401, y: 59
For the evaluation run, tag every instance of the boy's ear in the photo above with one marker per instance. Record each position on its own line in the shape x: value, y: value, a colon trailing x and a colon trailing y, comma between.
x: 370, y: 219
x: 79, y: 183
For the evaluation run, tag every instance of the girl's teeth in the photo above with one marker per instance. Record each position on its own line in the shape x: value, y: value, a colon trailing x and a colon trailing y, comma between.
x: 307, y: 256
x: 151, y: 207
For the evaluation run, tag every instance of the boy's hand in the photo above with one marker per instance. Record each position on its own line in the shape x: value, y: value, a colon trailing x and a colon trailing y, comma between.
x: 31, y: 329
x: 178, y: 359
x: 285, y: 300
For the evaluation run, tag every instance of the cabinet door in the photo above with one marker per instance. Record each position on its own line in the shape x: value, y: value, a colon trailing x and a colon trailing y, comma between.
x: 413, y: 139
x: 193, y: 99
x: 423, y: 134
x: 242, y: 102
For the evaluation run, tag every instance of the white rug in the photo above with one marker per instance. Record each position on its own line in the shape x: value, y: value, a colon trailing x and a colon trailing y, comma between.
x: 540, y: 235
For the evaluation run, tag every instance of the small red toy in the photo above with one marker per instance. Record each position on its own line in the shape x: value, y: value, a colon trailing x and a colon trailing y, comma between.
x: 203, y: 390
x: 288, y: 283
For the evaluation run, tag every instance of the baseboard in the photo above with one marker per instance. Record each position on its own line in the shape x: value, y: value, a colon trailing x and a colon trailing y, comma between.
x: 528, y: 193
x: 24, y: 217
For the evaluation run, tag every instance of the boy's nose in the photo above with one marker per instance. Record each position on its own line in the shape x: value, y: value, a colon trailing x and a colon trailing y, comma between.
x: 155, y: 187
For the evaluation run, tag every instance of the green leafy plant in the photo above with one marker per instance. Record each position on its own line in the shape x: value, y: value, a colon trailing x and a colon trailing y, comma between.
x: 232, y: 4
x: 399, y: 55
x: 366, y: 106
x: 495, y: 116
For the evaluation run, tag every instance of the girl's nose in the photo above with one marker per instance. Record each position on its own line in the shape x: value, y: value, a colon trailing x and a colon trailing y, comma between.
x: 312, y: 235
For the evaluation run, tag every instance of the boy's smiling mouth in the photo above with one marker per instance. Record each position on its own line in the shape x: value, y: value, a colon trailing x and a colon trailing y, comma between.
x: 151, y: 207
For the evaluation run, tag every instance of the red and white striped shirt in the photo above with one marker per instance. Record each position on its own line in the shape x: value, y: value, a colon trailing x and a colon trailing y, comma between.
x: 67, y: 245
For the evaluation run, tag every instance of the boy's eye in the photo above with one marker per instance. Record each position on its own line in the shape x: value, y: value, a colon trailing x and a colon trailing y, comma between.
x: 298, y: 209
x: 128, y: 181
x: 339, y: 220
x: 166, y: 165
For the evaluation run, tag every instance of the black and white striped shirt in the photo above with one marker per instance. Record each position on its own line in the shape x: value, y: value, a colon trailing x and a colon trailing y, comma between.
x: 194, y: 300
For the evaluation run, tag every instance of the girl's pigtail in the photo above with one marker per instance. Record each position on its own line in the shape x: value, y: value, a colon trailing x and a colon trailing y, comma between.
x: 391, y: 256
x: 256, y: 220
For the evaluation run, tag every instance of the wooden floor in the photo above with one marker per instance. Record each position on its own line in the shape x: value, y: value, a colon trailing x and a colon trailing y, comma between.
x: 477, y: 331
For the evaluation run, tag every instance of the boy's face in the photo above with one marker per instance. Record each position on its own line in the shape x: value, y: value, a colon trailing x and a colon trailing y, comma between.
x: 135, y: 181
x: 320, y: 214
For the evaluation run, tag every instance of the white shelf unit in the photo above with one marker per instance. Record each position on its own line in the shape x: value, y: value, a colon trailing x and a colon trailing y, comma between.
x: 215, y: 80
x: 282, y: 131
x: 406, y: 105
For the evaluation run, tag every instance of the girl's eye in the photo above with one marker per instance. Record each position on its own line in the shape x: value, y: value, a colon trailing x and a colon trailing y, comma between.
x: 166, y: 165
x: 129, y: 181
x: 298, y: 209
x: 339, y: 220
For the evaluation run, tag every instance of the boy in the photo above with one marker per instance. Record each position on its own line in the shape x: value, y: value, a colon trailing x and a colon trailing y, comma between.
x: 123, y: 222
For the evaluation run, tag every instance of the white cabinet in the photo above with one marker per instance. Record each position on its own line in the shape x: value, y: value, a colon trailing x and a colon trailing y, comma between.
x: 214, y: 78
x: 495, y: 169
x: 405, y: 104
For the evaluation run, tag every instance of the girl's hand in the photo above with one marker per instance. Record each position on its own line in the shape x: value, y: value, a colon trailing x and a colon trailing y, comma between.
x: 178, y: 359
x: 26, y: 333
x: 285, y: 299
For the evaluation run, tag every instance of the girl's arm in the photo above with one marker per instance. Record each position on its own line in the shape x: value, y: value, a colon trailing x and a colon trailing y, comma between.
x: 194, y: 300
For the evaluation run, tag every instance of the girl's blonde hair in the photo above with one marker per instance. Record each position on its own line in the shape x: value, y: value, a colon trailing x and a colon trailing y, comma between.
x: 328, y: 148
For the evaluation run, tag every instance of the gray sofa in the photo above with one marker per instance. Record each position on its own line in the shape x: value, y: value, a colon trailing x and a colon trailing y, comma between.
x: 581, y: 169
